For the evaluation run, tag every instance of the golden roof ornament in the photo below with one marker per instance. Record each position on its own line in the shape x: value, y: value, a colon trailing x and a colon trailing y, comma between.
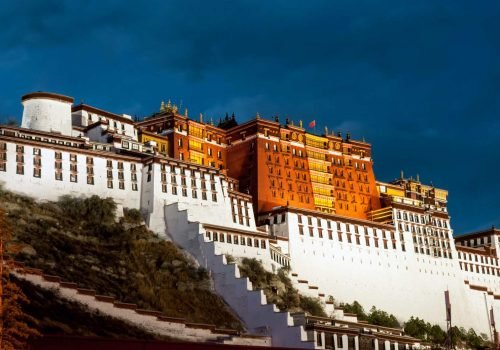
x: 186, y: 112
x: 300, y: 123
x: 175, y: 109
x: 201, y: 117
x: 257, y: 116
x: 162, y: 106
x: 326, y: 130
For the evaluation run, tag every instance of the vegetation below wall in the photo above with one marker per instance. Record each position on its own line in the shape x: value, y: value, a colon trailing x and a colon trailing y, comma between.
x: 56, y: 315
x: 278, y: 288
x: 420, y: 329
x: 375, y: 316
x: 80, y: 241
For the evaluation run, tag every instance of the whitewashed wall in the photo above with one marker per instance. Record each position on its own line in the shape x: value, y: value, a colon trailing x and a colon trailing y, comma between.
x: 207, y: 211
x: 47, y: 114
x: 403, y: 283
x: 46, y: 187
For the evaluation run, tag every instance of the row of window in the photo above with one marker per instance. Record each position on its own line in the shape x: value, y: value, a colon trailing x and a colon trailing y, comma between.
x: 184, y: 192
x: 224, y: 237
x: 438, y: 253
x: 421, y: 219
x: 474, y: 257
x: 485, y: 270
x: 353, y: 238
x: 474, y: 242
x: 351, y: 228
x: 37, y: 172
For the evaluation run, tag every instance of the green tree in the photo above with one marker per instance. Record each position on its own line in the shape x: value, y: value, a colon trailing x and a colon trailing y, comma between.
x: 416, y: 328
x: 382, y: 318
x: 437, y: 335
x: 355, y: 308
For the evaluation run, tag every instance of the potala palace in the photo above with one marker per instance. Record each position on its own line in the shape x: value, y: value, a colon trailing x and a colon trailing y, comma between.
x: 269, y: 190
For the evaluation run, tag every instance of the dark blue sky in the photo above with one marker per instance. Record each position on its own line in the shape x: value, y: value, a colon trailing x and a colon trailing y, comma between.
x: 420, y: 80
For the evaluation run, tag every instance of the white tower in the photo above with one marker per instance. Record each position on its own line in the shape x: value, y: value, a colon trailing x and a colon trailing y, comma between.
x: 46, y: 111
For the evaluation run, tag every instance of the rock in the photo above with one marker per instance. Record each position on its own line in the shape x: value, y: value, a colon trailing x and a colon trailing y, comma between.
x: 28, y: 250
x: 177, y: 263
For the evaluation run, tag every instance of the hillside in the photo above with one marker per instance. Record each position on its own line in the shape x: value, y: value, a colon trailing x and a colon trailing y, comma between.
x: 80, y: 241
x: 56, y: 315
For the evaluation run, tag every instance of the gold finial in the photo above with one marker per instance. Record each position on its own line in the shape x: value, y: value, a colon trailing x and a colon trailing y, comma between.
x: 169, y: 104
x: 186, y: 112
x: 300, y: 123
x: 175, y: 108
x: 211, y: 121
x: 201, y: 117
x: 326, y: 130
x: 257, y: 116
x: 162, y: 106
x: 292, y: 122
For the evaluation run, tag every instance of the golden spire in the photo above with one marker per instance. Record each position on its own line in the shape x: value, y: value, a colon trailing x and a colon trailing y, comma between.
x: 300, y: 123
x: 162, y: 106
x: 169, y: 104
x: 186, y: 112
x: 292, y: 122
x: 326, y: 130
x: 257, y: 116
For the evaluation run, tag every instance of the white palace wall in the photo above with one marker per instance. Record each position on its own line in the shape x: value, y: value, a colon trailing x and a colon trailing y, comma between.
x: 47, y: 187
x: 47, y: 114
x: 403, y: 283
x: 204, y: 192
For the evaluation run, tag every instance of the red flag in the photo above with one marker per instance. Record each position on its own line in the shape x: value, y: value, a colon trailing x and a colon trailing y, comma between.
x: 312, y: 124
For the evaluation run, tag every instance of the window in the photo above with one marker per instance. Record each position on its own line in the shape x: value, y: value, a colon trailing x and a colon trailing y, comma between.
x: 90, y: 180
x: 59, y: 176
x: 204, y: 195
x: 73, y: 178
x: 214, y: 197
x: 134, y: 187
x: 121, y: 185
x: 37, y: 172
x: 110, y: 183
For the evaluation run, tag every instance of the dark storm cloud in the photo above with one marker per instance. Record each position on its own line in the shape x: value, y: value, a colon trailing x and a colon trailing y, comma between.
x: 419, y: 80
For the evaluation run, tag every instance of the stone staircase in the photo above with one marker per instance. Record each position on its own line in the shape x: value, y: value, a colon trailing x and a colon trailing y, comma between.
x: 250, y: 305
x: 152, y: 321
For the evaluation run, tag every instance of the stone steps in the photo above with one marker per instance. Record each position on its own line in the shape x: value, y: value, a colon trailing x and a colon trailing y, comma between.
x: 250, y: 305
x: 150, y: 320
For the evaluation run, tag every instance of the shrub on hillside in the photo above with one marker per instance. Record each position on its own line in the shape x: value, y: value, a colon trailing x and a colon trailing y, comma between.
x: 79, y: 240
x: 93, y: 210
x: 133, y: 216
x: 278, y: 288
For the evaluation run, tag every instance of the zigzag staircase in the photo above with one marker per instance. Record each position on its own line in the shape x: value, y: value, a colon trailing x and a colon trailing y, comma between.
x: 152, y: 321
x: 250, y: 305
